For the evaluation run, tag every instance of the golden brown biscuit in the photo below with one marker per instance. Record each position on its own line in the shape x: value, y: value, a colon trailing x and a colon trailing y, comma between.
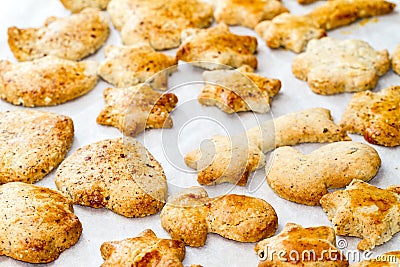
x: 135, y: 20
x: 396, y: 60
x: 191, y: 214
x: 73, y: 37
x: 305, y: 2
x: 375, y: 115
x: 248, y: 12
x: 37, y: 224
x: 143, y: 250
x: 365, y: 211
x: 134, y: 109
x: 120, y: 175
x: 217, y: 45
x: 388, y: 259
x: 291, y: 173
x: 332, y: 66
x: 32, y: 144
x: 298, y: 246
x: 289, y: 31
x: 46, y: 81
x: 129, y: 65
x: 78, y: 5
x: 238, y: 90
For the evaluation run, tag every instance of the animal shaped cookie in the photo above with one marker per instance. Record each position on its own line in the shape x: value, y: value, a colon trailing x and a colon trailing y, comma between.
x: 33, y: 143
x: 73, y: 37
x: 298, y: 246
x: 396, y: 60
x: 117, y: 174
x: 215, y: 47
x: 365, y: 211
x: 191, y: 214
x: 37, y: 223
x: 375, y: 115
x: 388, y: 259
x: 332, y: 66
x: 46, y: 81
x: 144, y: 250
x: 78, y: 5
x: 332, y: 166
x: 126, y: 66
x: 134, y: 109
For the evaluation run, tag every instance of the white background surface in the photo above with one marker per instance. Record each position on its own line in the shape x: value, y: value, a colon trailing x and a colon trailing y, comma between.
x: 103, y: 225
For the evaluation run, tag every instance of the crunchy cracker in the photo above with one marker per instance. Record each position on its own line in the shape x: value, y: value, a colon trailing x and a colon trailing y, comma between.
x: 396, y: 60
x: 332, y: 166
x: 365, y: 211
x: 78, y: 5
x: 73, y: 37
x: 46, y: 81
x: 334, y: 66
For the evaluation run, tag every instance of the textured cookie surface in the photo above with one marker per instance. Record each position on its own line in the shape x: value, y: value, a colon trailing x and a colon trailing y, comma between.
x: 129, y: 65
x: 247, y: 12
x: 332, y: 166
x: 238, y: 90
x: 73, y: 37
x: 191, y: 214
x: 46, y: 81
x: 78, y: 5
x: 120, y: 175
x: 135, y: 20
x: 144, y: 250
x: 32, y: 144
x: 134, y: 109
x: 217, y: 45
x: 396, y: 60
x: 295, y: 242
x: 37, y: 224
x: 375, y: 115
x: 388, y: 259
x: 334, y: 66
x: 289, y: 31
x: 365, y: 211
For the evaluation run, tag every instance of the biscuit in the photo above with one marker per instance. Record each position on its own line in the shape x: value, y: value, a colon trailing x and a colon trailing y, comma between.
x: 289, y: 31
x: 332, y: 166
x: 78, y: 5
x: 294, y: 243
x: 120, y: 175
x: 206, y: 48
x: 365, y: 211
x: 37, y: 224
x: 46, y: 81
x: 134, y: 109
x: 32, y: 144
x: 126, y: 66
x: 191, y: 214
x: 73, y: 37
x: 332, y: 66
x: 396, y: 60
x: 305, y: 2
x: 143, y: 250
x: 247, y: 13
x: 238, y: 90
x: 135, y: 20
x: 375, y: 115
x: 388, y: 259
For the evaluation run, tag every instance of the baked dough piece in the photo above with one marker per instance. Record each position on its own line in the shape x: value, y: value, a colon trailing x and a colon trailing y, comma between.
x: 388, y: 259
x: 289, y: 31
x: 375, y: 115
x: 78, y: 5
x: 334, y: 66
x: 297, y: 244
x: 32, y: 144
x: 134, y: 109
x: 143, y: 250
x: 248, y: 12
x: 396, y: 60
x: 46, y: 81
x: 332, y: 166
x: 120, y: 175
x: 129, y: 65
x: 365, y: 211
x: 135, y: 20
x: 37, y: 224
x: 73, y: 37
x: 305, y: 2
x: 238, y: 90
x: 215, y: 47
x: 191, y: 214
